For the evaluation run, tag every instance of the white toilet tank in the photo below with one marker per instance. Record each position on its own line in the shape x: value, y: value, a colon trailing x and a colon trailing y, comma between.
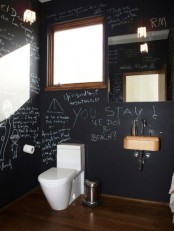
x: 71, y: 155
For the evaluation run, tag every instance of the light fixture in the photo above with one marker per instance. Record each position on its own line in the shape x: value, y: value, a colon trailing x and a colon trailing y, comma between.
x: 141, y: 32
x: 29, y: 16
x: 144, y: 48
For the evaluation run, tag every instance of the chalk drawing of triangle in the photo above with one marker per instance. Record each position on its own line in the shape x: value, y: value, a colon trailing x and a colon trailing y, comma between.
x: 55, y: 107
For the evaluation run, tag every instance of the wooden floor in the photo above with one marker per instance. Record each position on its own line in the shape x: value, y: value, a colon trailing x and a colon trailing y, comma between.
x: 33, y: 213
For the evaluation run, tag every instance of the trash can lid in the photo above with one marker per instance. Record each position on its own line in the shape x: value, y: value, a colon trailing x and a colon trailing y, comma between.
x: 92, y: 183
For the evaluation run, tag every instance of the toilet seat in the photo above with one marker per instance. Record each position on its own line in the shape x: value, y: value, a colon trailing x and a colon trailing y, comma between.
x: 56, y: 175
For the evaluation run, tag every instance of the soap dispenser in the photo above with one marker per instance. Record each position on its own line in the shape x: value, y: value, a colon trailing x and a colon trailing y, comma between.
x: 134, y: 130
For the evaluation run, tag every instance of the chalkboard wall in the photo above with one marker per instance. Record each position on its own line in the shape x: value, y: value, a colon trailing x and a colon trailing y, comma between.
x: 85, y: 116
x: 18, y: 170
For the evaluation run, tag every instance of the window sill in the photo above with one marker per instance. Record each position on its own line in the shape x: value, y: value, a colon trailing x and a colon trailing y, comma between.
x: 77, y: 86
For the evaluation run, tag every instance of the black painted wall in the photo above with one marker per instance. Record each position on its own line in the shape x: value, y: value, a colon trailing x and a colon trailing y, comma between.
x: 18, y: 170
x: 87, y: 117
x: 83, y: 116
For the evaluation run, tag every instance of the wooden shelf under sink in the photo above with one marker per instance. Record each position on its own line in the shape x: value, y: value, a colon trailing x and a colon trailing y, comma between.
x: 148, y: 143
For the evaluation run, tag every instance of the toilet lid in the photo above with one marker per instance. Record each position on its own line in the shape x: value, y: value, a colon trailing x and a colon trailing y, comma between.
x: 57, y: 175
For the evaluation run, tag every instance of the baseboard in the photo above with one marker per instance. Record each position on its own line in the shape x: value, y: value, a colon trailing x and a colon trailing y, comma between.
x: 135, y: 200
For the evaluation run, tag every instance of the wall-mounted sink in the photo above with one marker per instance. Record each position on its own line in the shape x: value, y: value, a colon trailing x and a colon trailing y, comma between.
x: 148, y: 143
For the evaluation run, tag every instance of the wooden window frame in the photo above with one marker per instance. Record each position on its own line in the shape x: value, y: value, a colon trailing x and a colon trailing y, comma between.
x: 69, y: 25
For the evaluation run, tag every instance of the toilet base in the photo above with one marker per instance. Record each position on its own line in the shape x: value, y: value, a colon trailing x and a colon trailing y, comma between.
x: 77, y: 187
x: 74, y: 189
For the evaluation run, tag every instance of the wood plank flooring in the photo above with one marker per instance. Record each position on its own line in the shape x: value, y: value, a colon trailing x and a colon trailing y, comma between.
x: 32, y: 212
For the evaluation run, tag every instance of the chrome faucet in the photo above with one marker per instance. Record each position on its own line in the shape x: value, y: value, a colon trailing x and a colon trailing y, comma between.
x: 144, y: 124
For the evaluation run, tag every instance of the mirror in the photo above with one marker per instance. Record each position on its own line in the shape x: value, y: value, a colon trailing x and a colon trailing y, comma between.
x: 125, y: 59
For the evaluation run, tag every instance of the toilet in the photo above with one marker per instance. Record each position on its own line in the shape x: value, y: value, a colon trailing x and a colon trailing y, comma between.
x: 61, y: 185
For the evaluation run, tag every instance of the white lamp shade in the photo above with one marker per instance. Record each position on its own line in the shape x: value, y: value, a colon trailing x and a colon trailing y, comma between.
x: 144, y: 48
x: 141, y: 32
x: 29, y: 16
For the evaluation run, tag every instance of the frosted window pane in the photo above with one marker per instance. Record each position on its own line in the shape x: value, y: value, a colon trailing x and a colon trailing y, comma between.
x: 78, y: 55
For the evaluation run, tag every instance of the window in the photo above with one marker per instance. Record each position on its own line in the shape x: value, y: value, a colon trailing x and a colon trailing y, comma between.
x: 76, y: 55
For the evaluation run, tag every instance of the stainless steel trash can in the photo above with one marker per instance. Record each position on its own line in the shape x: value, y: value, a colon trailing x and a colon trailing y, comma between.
x: 92, y: 193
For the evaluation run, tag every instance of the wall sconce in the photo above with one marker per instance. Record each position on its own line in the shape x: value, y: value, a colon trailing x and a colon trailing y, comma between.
x: 29, y: 16
x: 144, y: 48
